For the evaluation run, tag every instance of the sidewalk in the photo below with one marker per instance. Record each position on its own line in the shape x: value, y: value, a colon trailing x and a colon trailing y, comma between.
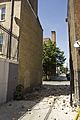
x: 51, y: 108
x: 50, y: 102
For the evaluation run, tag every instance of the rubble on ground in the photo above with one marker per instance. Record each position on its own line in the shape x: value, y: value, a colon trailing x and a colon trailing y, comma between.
x: 49, y: 102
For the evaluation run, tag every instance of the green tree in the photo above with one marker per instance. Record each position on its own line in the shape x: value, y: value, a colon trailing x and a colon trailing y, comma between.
x: 51, y: 55
x: 64, y: 69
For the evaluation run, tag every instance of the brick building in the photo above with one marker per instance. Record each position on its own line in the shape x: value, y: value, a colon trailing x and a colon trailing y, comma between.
x: 26, y: 44
x: 74, y: 35
x: 53, y: 37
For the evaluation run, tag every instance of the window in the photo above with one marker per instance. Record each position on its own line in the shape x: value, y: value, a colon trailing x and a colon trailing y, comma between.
x: 1, y: 42
x: 2, y: 13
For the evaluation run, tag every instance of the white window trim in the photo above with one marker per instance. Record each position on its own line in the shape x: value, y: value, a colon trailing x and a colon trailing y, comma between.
x: 2, y: 6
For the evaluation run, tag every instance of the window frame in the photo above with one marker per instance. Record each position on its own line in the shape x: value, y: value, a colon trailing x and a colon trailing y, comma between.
x: 1, y: 42
x: 2, y: 12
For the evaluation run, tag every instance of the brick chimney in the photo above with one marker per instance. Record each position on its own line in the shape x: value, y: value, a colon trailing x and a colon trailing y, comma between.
x: 53, y: 33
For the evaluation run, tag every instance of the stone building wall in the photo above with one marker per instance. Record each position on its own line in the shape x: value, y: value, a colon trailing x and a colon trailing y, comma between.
x: 28, y: 28
x: 71, y: 30
x: 7, y: 22
x: 77, y: 29
x: 34, y: 4
x: 30, y: 50
x: 74, y: 35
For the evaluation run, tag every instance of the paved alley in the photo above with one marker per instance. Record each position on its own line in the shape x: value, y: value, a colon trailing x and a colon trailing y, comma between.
x: 50, y: 102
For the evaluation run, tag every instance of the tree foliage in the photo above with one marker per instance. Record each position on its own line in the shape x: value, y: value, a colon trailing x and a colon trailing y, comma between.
x: 52, y: 55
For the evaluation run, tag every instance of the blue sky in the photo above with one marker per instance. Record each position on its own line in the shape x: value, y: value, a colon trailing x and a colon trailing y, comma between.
x: 52, y: 14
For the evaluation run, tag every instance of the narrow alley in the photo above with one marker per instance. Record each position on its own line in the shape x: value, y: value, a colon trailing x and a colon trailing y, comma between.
x: 39, y: 60
x: 49, y: 102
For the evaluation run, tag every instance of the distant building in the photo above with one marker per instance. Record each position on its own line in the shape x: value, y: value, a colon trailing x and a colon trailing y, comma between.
x: 26, y: 45
x: 53, y: 39
x: 45, y: 40
x: 74, y: 35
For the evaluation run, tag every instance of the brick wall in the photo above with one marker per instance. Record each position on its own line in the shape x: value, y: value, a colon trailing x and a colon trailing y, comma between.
x: 30, y: 50
x: 74, y: 34
x: 77, y: 18
x: 34, y: 4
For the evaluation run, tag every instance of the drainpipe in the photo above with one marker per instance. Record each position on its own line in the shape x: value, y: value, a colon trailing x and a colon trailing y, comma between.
x: 70, y: 55
x: 70, y: 61
x: 11, y: 27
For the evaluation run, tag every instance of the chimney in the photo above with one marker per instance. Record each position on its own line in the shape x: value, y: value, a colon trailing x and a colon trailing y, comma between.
x: 53, y: 33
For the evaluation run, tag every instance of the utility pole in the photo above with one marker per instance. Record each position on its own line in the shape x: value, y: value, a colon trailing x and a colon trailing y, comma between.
x: 11, y: 27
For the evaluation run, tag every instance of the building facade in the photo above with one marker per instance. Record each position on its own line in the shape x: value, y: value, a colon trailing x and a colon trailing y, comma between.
x: 26, y: 42
x: 74, y: 35
x: 30, y: 48
x: 5, y: 21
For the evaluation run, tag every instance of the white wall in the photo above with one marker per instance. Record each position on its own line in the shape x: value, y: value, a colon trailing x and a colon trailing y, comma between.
x: 4, y: 68
x: 8, y: 79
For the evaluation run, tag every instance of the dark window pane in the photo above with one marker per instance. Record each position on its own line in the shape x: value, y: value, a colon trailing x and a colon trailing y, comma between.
x: 2, y: 16
x: 2, y: 13
x: 1, y: 39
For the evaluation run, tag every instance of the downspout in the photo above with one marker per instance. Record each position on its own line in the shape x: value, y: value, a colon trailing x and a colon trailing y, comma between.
x: 70, y: 62
x: 70, y: 56
x: 11, y: 27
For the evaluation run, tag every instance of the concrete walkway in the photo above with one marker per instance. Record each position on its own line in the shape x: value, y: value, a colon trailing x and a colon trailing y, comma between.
x: 50, y: 102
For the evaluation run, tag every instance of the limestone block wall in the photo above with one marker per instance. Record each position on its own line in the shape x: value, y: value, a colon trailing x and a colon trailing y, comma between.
x: 12, y: 79
x: 8, y: 79
x: 3, y: 80
x: 30, y: 48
